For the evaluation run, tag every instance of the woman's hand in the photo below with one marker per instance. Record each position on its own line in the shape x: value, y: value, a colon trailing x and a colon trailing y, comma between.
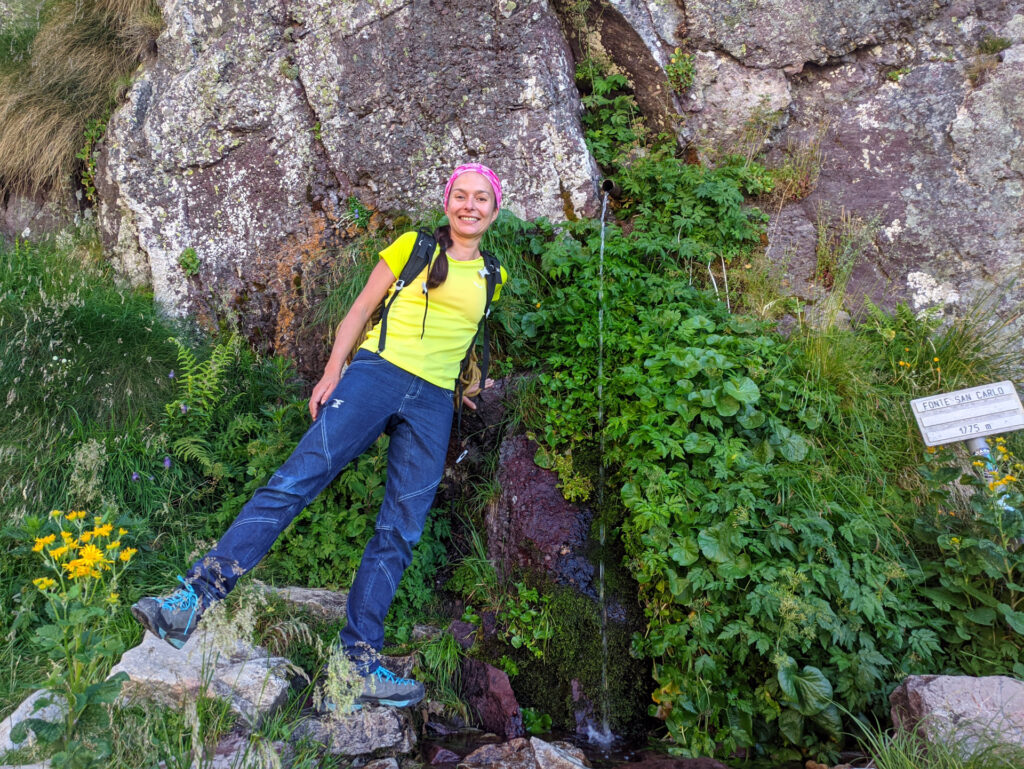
x: 468, y: 403
x: 322, y: 391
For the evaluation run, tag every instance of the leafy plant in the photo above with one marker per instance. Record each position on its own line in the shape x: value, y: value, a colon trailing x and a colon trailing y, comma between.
x: 81, y: 597
x: 188, y: 261
x: 536, y: 722
x: 681, y: 71
x: 527, y: 620
x: 94, y: 131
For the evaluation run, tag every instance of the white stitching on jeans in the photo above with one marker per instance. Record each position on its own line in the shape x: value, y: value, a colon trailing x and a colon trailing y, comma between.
x: 424, y: 490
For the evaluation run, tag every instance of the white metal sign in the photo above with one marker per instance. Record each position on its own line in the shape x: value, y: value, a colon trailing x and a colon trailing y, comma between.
x: 972, y: 413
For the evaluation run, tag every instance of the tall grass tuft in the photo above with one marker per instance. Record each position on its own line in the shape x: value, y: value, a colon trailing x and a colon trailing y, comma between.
x: 60, y: 77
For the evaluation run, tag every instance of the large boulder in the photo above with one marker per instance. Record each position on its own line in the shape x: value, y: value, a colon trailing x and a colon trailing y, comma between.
x: 961, y: 712
x: 488, y: 694
x: 239, y: 155
x: 255, y: 683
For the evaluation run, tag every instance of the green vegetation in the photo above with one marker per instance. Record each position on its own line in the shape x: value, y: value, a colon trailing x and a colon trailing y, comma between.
x: 992, y: 44
x: 681, y: 71
x: 61, y: 65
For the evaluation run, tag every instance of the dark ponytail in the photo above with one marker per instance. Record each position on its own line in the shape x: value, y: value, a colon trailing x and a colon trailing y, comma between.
x: 439, y: 270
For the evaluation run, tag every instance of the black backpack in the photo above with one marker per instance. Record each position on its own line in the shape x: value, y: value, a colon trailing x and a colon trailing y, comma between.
x: 420, y: 258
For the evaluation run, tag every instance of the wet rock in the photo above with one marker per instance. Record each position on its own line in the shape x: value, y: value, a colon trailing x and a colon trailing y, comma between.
x: 961, y: 712
x: 560, y: 755
x: 53, y: 712
x: 657, y: 761
x: 464, y: 633
x: 328, y: 604
x: 436, y: 754
x: 514, y: 754
x: 532, y: 525
x: 255, y: 683
x: 365, y: 732
x: 382, y: 763
x: 488, y: 693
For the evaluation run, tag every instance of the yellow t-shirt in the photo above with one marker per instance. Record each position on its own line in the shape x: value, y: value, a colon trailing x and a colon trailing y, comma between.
x: 454, y: 310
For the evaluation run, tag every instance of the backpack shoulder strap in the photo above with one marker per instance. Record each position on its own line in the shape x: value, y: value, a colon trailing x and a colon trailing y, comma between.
x: 421, y: 255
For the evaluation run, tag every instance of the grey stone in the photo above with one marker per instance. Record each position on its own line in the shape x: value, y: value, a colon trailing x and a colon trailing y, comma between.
x: 788, y: 33
x: 382, y: 763
x: 514, y: 754
x: 560, y: 755
x: 53, y: 712
x: 364, y: 732
x: 329, y: 604
x: 930, y: 159
x: 961, y: 712
x: 255, y: 683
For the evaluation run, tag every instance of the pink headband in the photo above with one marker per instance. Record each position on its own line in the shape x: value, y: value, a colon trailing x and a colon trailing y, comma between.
x: 485, y: 172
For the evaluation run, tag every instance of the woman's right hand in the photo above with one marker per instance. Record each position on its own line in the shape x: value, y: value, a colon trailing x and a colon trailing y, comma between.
x: 322, y: 391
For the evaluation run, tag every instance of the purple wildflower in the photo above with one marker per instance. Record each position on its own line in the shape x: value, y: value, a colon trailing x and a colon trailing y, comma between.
x: 135, y: 476
x: 167, y: 463
x: 171, y: 375
x: 184, y: 408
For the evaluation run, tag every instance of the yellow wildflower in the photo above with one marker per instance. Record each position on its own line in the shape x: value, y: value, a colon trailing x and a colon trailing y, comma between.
x: 112, y: 598
x: 127, y: 553
x: 114, y: 545
x: 91, y: 555
x: 102, y: 531
x: 57, y: 552
x: 42, y: 542
x: 86, y: 536
x: 978, y: 463
x: 935, y: 360
x: 56, y: 513
x: 122, y: 532
x: 75, y: 515
x: 44, y: 583
x: 955, y: 541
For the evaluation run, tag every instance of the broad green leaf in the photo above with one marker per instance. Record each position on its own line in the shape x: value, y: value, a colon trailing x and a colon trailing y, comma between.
x: 714, y: 544
x: 809, y: 690
x: 790, y: 445
x: 684, y: 551
x: 737, y: 568
x: 742, y: 389
x: 698, y: 443
x: 981, y: 616
x: 830, y: 721
x: 751, y: 418
x: 791, y: 724
x: 726, y: 405
x: 1014, y: 619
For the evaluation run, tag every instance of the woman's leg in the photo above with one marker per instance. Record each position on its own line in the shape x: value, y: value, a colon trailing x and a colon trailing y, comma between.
x: 352, y: 418
x: 419, y: 442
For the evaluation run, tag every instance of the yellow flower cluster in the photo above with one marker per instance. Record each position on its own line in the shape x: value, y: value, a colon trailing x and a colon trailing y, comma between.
x: 82, y: 554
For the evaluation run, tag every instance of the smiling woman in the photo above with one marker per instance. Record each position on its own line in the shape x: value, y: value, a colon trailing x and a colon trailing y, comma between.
x: 402, y: 385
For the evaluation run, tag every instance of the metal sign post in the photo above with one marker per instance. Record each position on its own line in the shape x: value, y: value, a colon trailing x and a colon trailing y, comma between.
x: 970, y: 415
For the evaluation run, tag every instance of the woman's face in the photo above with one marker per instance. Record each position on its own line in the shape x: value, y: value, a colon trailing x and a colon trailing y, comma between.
x: 470, y: 205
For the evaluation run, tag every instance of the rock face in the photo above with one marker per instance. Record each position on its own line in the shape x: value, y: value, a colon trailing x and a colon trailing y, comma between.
x: 229, y: 176
x: 961, y: 711
x: 234, y: 163
x: 532, y: 525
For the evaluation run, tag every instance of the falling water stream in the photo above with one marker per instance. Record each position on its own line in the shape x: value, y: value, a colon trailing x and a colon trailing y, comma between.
x: 605, y: 736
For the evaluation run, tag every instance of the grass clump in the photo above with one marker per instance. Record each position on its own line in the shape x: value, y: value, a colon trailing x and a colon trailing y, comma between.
x: 58, y: 76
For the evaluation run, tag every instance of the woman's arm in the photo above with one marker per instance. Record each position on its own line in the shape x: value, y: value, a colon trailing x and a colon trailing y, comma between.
x: 349, y: 329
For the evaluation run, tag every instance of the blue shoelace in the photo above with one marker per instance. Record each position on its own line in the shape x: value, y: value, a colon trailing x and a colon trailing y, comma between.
x: 182, y: 598
x: 390, y: 677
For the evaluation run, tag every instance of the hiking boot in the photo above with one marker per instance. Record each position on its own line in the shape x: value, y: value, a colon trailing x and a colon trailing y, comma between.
x: 382, y: 687
x: 172, y: 618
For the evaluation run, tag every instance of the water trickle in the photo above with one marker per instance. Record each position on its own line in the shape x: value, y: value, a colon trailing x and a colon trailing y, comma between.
x: 605, y: 736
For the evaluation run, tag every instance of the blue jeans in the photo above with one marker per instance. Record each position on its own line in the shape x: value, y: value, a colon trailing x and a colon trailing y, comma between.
x: 373, y: 397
